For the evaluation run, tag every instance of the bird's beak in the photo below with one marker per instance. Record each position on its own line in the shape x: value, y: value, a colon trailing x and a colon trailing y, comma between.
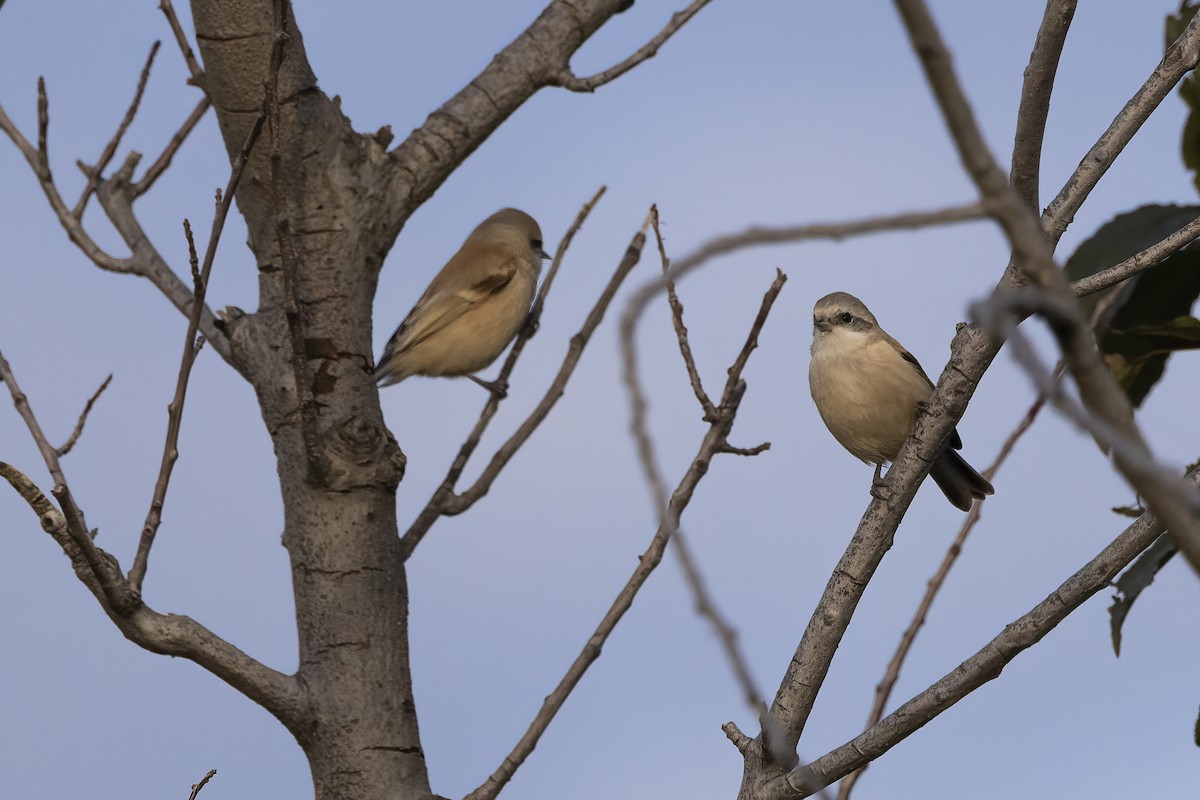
x: 822, y: 325
x: 541, y: 251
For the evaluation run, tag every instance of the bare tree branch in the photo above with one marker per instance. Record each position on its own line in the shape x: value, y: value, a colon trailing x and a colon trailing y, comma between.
x: 883, y: 690
x: 1150, y: 257
x: 568, y: 80
x: 984, y: 666
x: 437, y: 505
x: 39, y: 160
x: 66, y: 446
x: 1035, y: 99
x: 167, y: 634
x: 759, y: 236
x: 716, y: 434
x: 93, y: 173
x: 208, y: 776
x: 101, y: 566
x: 681, y: 331
x: 704, y: 603
x: 1133, y: 458
x: 189, y: 57
x: 155, y: 171
x: 116, y: 197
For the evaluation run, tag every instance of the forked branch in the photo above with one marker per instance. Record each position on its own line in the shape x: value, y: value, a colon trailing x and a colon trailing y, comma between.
x: 714, y: 439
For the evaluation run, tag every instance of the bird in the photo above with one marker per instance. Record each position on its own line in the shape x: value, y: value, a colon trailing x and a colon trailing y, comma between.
x: 869, y: 392
x: 473, y: 308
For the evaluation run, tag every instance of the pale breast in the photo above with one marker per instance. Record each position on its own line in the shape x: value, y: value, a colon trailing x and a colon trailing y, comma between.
x: 866, y: 393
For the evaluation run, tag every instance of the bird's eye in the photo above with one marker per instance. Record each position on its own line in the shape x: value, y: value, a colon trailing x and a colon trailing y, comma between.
x: 536, y: 243
x: 845, y: 318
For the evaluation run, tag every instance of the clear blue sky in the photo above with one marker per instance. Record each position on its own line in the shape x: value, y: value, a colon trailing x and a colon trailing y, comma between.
x: 766, y: 112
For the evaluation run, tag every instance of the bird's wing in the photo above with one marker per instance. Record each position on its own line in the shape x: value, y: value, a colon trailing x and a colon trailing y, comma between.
x: 442, y: 303
x: 955, y: 440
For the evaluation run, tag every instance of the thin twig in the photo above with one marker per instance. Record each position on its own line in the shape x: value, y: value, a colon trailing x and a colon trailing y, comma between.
x: 444, y: 501
x: 224, y: 201
x: 155, y: 171
x: 189, y: 57
x: 681, y: 331
x: 1140, y: 262
x: 93, y: 173
x: 717, y: 433
x: 568, y: 80
x: 196, y: 787
x: 87, y: 409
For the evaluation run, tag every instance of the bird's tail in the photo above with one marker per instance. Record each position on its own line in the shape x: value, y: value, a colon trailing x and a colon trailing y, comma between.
x: 387, y: 371
x: 958, y: 480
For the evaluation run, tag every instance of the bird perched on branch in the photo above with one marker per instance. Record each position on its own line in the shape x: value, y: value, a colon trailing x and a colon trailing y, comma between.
x: 473, y: 308
x: 869, y: 391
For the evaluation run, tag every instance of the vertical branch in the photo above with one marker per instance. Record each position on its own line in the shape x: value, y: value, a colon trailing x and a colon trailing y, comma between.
x: 1035, y: 98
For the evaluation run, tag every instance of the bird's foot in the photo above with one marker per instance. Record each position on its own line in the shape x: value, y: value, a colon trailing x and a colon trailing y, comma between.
x: 879, y: 488
x: 498, y: 387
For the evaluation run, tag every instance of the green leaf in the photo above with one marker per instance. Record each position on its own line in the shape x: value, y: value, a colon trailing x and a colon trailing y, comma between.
x: 1134, y: 580
x: 1152, y: 317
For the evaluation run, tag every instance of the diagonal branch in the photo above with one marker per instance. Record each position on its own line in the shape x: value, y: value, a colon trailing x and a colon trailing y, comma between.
x: 985, y: 665
x: 704, y: 603
x: 1139, y: 262
x: 69, y: 444
x: 1180, y: 58
x: 166, y: 634
x: 155, y: 171
x: 189, y: 57
x: 569, y: 80
x: 535, y: 59
x: 435, y: 508
x: 711, y: 444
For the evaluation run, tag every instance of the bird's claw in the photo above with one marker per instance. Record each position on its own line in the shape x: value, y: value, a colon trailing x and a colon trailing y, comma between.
x: 498, y: 387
